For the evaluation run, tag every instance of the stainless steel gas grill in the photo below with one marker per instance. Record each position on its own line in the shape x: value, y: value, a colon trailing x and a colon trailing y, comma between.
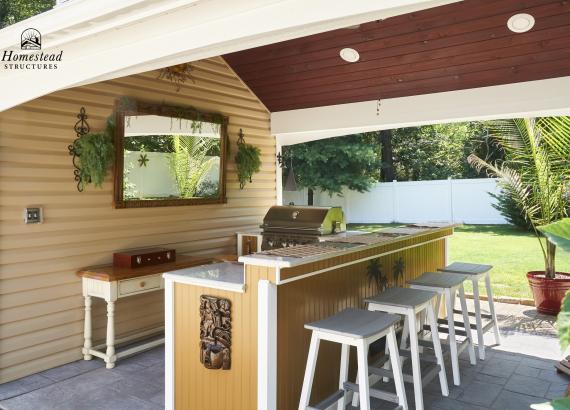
x: 285, y: 226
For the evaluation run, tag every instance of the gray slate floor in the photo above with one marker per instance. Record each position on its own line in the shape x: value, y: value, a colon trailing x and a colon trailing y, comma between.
x: 518, y: 373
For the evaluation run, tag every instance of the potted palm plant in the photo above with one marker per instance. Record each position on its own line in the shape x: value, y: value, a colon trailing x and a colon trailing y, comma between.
x: 536, y: 175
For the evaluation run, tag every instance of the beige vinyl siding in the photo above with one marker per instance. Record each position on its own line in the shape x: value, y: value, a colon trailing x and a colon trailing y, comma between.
x: 41, y: 316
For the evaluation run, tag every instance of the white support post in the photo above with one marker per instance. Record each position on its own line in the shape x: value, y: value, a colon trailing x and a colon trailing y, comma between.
x: 169, y: 345
x: 278, y: 176
x: 267, y: 345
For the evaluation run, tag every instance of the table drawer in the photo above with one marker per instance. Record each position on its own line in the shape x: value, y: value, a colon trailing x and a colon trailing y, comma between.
x: 139, y: 285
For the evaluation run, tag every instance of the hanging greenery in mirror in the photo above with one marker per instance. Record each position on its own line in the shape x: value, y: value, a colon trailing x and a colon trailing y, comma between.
x: 93, y: 153
x: 248, y: 160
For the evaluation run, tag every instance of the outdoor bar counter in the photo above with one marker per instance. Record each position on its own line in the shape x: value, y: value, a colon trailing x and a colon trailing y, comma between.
x: 235, y: 336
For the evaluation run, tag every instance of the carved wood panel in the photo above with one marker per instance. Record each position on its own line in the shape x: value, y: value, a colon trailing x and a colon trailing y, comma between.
x: 215, y: 332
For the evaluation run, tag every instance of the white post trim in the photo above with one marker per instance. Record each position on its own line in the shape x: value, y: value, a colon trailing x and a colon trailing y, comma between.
x: 169, y: 344
x: 278, y: 177
x: 267, y: 345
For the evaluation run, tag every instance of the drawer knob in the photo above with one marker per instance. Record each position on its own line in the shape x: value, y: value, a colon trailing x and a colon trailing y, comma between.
x: 142, y: 284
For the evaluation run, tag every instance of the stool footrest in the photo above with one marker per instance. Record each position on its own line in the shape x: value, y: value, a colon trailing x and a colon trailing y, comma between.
x: 429, y: 344
x: 483, y: 315
x: 428, y: 373
x: 443, y: 329
x: 328, y: 401
x: 456, y: 323
x: 376, y: 393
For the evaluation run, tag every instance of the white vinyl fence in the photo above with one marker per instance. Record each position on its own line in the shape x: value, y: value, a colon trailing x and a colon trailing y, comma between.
x: 455, y: 200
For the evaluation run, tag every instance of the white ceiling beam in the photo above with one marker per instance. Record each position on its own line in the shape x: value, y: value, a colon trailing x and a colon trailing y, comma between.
x: 527, y: 99
x: 141, y: 35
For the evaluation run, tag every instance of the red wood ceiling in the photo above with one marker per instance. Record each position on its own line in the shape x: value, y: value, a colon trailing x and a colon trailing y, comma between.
x: 459, y: 46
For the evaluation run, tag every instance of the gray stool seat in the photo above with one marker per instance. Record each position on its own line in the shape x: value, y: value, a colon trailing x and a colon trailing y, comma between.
x: 467, y: 268
x: 402, y: 297
x: 354, y: 323
x: 440, y: 280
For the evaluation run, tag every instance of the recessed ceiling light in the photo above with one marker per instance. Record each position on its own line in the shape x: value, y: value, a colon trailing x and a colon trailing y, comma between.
x: 520, y: 23
x: 350, y: 55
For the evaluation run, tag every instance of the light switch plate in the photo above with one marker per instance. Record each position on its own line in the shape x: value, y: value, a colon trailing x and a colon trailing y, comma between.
x: 33, y: 215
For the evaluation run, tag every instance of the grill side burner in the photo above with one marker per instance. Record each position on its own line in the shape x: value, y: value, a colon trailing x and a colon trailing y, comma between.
x: 285, y: 226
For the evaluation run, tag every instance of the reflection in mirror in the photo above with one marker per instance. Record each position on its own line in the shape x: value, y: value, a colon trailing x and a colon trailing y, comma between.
x: 170, y: 158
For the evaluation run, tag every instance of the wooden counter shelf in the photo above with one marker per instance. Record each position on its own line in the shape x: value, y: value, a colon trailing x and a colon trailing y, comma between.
x: 111, y: 283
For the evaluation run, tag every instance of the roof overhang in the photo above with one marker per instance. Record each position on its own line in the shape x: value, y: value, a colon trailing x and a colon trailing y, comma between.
x: 106, y: 39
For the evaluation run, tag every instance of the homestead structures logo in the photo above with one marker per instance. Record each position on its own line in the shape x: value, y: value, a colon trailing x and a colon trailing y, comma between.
x: 30, y: 59
x: 31, y: 39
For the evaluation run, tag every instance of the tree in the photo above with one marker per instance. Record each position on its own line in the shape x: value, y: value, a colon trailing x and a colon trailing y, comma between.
x: 535, y: 173
x: 387, y: 173
x: 438, y: 151
x: 331, y: 164
x: 12, y: 11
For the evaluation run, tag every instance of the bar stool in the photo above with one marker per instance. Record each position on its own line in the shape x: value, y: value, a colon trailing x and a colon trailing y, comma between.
x: 410, y: 303
x: 476, y: 272
x: 354, y: 327
x: 447, y: 285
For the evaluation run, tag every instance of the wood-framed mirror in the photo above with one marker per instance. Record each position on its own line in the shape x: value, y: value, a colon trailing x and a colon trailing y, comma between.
x: 168, y: 156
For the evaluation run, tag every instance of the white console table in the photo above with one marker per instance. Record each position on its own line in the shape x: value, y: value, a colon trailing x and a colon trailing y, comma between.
x: 110, y: 283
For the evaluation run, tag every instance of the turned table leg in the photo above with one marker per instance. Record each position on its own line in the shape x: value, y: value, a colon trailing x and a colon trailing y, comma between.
x: 110, y: 353
x: 87, y: 344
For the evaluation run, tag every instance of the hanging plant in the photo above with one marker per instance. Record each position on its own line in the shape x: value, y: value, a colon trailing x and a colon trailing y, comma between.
x: 96, y: 154
x: 248, y: 162
x: 178, y: 74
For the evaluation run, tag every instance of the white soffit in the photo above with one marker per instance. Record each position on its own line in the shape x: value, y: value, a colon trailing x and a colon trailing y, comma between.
x: 532, y: 98
x: 104, y: 39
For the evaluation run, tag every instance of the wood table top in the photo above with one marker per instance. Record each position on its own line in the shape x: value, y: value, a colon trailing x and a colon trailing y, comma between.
x: 110, y: 273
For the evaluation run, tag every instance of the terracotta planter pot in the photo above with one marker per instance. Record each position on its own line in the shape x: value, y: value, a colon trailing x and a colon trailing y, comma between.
x: 548, y: 293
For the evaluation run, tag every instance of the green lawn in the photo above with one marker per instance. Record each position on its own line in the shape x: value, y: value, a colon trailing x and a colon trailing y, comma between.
x: 511, y: 251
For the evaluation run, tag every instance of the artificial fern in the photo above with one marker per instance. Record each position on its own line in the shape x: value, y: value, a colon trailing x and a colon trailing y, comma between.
x: 248, y: 162
x: 96, y: 154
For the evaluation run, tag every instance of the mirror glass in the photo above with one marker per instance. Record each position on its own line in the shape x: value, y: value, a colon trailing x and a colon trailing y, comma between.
x: 168, y: 158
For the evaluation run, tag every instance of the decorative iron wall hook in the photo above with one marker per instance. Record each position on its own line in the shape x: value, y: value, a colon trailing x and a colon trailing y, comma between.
x: 81, y: 128
x: 240, y: 139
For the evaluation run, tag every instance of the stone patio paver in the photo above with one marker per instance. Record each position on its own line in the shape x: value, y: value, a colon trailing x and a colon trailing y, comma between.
x: 514, y: 375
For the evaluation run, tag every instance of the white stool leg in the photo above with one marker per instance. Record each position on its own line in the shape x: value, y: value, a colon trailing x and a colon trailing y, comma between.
x: 387, y: 364
x: 477, y: 303
x: 343, y: 377
x: 87, y: 343
x: 467, y: 325
x: 452, y: 339
x: 110, y: 353
x: 398, y: 378
x: 363, y: 384
x: 405, y: 331
x: 309, y: 372
x: 437, y: 347
x: 416, y: 371
x: 492, y: 309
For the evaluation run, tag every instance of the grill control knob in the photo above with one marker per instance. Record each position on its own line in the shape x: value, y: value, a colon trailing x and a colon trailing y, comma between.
x: 270, y: 242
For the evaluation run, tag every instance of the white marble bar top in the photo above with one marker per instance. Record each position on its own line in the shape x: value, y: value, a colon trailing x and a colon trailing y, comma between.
x: 260, y: 259
x: 221, y: 275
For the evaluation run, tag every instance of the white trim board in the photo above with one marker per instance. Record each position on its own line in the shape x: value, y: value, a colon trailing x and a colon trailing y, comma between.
x: 267, y: 345
x: 526, y: 99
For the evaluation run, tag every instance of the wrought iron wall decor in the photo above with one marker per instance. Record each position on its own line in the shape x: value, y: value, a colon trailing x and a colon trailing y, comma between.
x: 81, y: 128
x: 215, y: 332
